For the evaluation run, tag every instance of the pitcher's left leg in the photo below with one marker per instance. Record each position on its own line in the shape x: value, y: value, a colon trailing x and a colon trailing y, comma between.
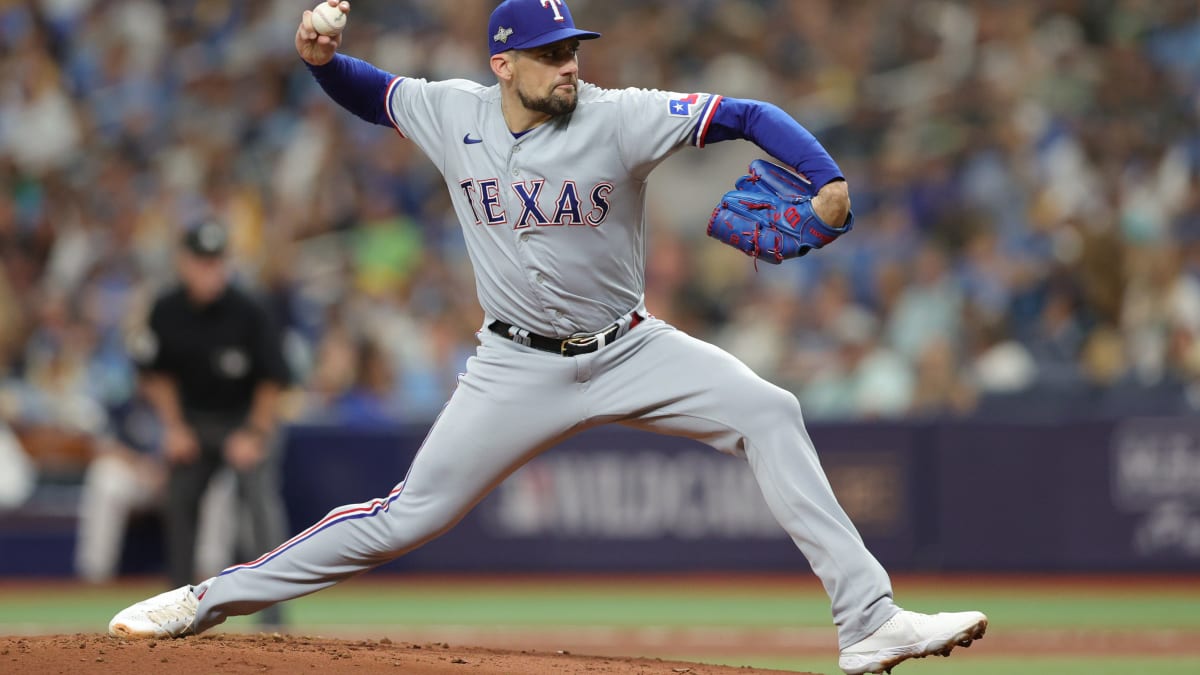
x: 512, y: 403
x: 661, y: 379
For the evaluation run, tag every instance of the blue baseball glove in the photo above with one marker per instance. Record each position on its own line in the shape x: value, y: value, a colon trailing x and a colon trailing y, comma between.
x: 769, y: 216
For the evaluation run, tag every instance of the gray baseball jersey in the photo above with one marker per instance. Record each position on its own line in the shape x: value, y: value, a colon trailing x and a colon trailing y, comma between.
x: 555, y: 227
x: 554, y: 220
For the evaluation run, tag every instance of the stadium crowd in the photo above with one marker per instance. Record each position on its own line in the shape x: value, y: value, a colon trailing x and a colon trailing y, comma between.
x: 1025, y: 179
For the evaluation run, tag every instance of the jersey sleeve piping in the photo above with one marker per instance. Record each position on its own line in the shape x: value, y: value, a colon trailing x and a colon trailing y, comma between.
x: 387, y: 102
x: 705, y: 121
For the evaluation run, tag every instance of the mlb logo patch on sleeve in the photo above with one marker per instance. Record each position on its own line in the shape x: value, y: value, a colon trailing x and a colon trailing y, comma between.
x: 682, y: 107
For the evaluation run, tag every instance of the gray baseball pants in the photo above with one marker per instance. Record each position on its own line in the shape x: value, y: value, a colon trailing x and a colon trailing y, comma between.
x: 515, y: 402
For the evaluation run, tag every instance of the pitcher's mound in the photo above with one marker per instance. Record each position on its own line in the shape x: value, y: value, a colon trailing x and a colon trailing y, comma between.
x: 219, y: 653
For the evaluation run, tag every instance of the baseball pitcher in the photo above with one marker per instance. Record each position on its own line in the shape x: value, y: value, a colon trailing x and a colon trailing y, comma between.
x: 547, y: 174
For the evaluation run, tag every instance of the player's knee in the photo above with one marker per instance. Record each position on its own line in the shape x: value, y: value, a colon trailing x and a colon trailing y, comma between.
x: 113, y: 479
x: 772, y: 406
x: 409, y: 525
x: 786, y: 408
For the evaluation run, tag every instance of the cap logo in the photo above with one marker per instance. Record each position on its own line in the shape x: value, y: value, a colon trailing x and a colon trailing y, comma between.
x: 211, y: 237
x: 502, y: 35
x: 554, y: 5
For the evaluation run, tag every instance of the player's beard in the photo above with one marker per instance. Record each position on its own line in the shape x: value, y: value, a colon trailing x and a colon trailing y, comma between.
x: 555, y: 103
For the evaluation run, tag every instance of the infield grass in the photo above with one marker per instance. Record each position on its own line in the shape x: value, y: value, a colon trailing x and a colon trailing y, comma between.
x: 422, y: 601
x: 397, y: 607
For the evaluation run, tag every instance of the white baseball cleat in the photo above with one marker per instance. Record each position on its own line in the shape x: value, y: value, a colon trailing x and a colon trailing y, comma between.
x: 166, y: 615
x: 910, y: 635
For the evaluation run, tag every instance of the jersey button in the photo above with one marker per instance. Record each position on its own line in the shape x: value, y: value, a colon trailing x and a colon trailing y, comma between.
x: 525, y: 237
x: 558, y: 314
x: 516, y: 148
x: 516, y: 172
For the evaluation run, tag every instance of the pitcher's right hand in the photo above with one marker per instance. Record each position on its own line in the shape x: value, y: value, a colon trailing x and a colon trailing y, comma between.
x: 314, y: 48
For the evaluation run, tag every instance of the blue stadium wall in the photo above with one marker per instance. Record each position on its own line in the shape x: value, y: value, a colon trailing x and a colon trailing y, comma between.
x: 1096, y: 496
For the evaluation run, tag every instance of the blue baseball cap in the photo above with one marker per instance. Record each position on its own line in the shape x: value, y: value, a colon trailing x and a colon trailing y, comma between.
x: 525, y: 24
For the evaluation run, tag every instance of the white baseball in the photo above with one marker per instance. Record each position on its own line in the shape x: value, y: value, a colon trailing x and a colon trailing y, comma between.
x: 328, y: 20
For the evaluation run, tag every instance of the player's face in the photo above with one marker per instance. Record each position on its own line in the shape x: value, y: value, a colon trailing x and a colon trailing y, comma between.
x: 204, y: 278
x: 547, y: 77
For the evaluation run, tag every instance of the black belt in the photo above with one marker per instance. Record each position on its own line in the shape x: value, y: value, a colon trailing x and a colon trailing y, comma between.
x: 572, y: 346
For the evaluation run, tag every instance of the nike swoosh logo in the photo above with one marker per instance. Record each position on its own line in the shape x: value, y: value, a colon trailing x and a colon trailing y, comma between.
x: 471, y: 141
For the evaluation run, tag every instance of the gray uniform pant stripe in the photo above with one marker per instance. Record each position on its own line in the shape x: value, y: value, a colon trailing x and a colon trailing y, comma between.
x: 515, y: 402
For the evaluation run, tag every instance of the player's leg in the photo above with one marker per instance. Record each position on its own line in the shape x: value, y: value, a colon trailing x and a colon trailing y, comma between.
x: 261, y: 503
x: 186, y: 483
x: 215, y: 539
x: 661, y: 379
x: 511, y: 404
x: 113, y: 489
x: 264, y: 524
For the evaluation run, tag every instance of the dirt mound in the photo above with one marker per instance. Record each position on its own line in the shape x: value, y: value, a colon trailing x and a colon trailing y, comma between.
x: 85, y: 653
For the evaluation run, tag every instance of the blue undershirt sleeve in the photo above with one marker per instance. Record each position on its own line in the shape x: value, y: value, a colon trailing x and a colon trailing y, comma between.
x: 357, y: 86
x: 773, y: 130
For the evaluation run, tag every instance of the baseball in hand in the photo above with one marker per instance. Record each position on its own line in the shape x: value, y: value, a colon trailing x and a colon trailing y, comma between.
x: 328, y: 19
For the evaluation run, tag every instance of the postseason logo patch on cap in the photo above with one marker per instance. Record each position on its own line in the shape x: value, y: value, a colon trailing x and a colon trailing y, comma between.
x: 526, y: 24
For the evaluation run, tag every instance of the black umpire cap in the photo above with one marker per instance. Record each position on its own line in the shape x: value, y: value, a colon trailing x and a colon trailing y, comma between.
x: 207, y: 239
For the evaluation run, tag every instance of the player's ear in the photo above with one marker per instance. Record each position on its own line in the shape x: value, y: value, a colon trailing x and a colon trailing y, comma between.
x: 502, y: 66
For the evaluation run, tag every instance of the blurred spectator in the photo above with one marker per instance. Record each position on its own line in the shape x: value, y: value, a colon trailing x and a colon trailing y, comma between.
x: 929, y: 308
x: 865, y: 380
x: 1103, y: 360
x: 1056, y: 340
x: 335, y: 366
x: 941, y: 389
x: 370, y: 399
x: 18, y: 476
x: 42, y: 133
x: 1161, y: 315
x: 1030, y: 167
x: 386, y: 248
x: 998, y: 364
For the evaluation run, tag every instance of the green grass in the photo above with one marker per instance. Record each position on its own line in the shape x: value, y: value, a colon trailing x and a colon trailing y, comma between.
x: 570, y: 605
x: 579, y: 603
x: 607, y: 604
x: 701, y: 607
x: 387, y: 608
x: 973, y: 664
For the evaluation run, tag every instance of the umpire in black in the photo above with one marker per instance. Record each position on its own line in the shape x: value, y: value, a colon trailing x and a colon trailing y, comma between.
x: 211, y: 365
